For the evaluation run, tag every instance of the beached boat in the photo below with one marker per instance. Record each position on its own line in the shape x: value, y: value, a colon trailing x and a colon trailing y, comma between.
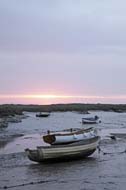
x: 91, y: 120
x: 76, y: 150
x: 69, y: 136
x: 43, y: 114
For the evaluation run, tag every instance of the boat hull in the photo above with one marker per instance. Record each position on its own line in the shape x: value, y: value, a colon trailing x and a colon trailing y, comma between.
x: 89, y: 122
x: 43, y: 115
x: 72, y: 151
x: 69, y: 137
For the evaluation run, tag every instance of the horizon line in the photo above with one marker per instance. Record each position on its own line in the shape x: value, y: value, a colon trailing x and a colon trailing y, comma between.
x: 53, y: 96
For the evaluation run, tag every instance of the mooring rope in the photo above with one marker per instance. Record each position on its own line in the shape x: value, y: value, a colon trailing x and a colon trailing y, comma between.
x: 25, y: 184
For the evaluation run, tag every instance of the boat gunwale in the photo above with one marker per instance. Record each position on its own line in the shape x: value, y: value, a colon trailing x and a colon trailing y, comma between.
x: 77, y: 143
x: 68, y: 133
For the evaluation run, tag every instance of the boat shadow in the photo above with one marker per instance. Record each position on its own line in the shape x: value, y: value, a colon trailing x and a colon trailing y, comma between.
x: 61, y: 166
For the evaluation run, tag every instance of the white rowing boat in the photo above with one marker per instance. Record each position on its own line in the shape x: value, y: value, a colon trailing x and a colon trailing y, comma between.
x: 69, y: 136
x: 91, y: 120
x: 76, y: 150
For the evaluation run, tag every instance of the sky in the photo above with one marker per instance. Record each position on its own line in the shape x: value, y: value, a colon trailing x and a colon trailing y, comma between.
x: 62, y: 51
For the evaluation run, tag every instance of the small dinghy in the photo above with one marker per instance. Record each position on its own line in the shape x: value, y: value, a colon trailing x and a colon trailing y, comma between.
x: 69, y: 136
x: 91, y: 120
x: 76, y: 150
x: 43, y: 114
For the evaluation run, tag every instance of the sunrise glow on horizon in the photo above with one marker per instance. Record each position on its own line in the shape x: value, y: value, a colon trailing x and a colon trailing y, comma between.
x: 53, y: 98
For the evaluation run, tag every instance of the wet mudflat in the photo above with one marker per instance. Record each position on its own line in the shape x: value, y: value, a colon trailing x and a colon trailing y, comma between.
x: 102, y: 170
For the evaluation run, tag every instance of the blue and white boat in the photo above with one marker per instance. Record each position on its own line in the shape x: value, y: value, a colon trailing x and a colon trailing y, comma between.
x: 91, y: 120
x: 69, y: 136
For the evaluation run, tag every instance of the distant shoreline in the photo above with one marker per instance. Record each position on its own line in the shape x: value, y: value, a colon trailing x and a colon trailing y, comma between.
x: 18, y: 109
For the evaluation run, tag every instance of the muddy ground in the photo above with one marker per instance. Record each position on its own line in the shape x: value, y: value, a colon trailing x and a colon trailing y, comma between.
x: 102, y: 170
